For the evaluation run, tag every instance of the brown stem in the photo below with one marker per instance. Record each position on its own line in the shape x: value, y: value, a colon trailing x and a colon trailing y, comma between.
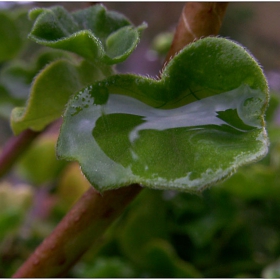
x: 14, y: 148
x: 80, y: 228
x: 197, y: 20
x: 90, y: 217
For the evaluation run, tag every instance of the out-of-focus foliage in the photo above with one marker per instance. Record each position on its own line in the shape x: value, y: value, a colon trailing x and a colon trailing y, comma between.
x: 13, y: 31
x: 39, y: 164
x: 272, y: 271
x: 15, y: 201
x: 162, y: 43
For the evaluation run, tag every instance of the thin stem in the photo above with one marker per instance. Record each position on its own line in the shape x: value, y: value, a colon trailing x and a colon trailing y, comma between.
x: 106, y: 70
x: 81, y: 228
x: 197, y: 20
x: 14, y: 148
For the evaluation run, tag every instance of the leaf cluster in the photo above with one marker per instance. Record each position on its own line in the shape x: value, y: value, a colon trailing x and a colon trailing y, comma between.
x: 190, y: 129
x: 124, y: 128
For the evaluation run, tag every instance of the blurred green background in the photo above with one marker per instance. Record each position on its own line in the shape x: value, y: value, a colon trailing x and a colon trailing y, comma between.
x: 231, y: 230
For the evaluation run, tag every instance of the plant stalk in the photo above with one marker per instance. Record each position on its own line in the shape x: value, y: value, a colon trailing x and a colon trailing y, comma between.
x: 198, y: 19
x: 81, y: 228
x: 14, y: 148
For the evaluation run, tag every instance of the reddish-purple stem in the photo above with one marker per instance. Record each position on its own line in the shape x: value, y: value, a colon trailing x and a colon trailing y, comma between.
x: 14, y: 148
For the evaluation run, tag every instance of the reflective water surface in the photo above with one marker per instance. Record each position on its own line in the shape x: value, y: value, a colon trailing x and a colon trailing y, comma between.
x: 133, y: 142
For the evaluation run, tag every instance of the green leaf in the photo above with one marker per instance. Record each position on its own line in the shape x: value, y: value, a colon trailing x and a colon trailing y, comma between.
x: 14, y: 27
x: 187, y: 131
x: 163, y: 261
x: 93, y: 33
x: 145, y: 230
x: 263, y: 176
x: 142, y: 226
x: 50, y: 92
x: 16, y: 79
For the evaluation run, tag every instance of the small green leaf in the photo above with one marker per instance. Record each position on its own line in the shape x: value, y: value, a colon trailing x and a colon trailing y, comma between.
x: 50, y: 92
x: 187, y: 131
x: 14, y: 27
x: 17, y: 76
x: 94, y: 33
x: 16, y: 79
x: 163, y: 261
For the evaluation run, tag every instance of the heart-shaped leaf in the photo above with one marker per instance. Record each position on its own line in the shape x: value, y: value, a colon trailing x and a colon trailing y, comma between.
x: 189, y: 130
x: 94, y: 33
x: 50, y: 92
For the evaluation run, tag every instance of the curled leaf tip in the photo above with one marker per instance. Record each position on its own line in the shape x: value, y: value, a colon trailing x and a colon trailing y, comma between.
x: 86, y: 32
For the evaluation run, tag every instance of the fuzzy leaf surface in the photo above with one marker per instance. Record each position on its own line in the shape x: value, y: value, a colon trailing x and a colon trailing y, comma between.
x: 192, y: 128
x: 93, y: 33
x: 50, y: 91
x: 16, y: 79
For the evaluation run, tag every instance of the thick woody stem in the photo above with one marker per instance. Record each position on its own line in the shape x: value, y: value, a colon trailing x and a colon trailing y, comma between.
x: 81, y: 228
x: 14, y: 148
x: 197, y: 20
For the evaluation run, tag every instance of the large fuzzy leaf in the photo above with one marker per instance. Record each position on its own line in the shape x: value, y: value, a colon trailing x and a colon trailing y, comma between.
x: 94, y: 33
x: 189, y: 130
